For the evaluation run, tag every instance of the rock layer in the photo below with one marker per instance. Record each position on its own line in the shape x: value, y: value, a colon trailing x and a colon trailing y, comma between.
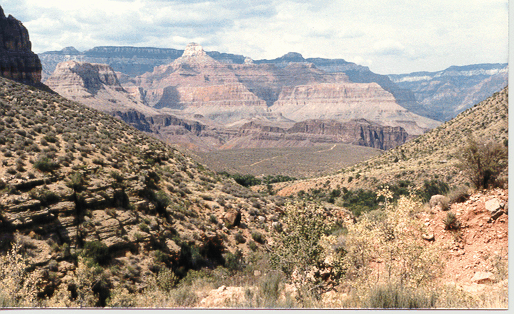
x: 348, y: 101
x: 312, y: 132
x: 17, y: 61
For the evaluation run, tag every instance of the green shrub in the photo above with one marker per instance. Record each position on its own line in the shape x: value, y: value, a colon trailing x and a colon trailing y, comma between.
x: 96, y: 250
x: 299, y: 245
x: 451, y: 222
x: 234, y: 262
x: 432, y: 187
x: 45, y: 164
x: 360, y: 201
x: 239, y: 238
x: 166, y: 279
x: 253, y: 246
x: 482, y: 162
x: 76, y: 182
x: 258, y: 237
x: 394, y: 296
x: 144, y: 227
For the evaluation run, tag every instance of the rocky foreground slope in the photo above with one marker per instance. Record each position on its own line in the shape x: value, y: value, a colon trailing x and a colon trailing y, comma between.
x: 73, y: 180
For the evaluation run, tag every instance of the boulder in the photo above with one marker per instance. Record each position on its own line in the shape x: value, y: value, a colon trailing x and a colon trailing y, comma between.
x: 495, y: 207
x: 440, y: 202
x: 232, y: 218
x: 483, y: 277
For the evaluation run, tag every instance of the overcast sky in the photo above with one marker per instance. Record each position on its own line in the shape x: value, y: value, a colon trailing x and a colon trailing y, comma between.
x: 390, y: 37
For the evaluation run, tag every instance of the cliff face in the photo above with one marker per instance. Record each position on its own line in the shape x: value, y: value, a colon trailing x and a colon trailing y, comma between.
x: 348, y: 101
x: 132, y: 61
x: 95, y: 85
x: 312, y: 132
x: 17, y: 61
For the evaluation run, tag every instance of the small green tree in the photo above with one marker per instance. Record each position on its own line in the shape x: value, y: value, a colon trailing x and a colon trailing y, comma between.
x: 299, y: 251
x: 483, y: 162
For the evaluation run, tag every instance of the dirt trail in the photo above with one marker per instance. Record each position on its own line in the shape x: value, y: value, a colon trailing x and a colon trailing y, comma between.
x: 263, y: 160
x: 287, y: 155
x: 327, y: 150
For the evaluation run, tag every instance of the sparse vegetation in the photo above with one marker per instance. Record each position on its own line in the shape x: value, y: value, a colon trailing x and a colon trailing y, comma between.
x: 164, y: 218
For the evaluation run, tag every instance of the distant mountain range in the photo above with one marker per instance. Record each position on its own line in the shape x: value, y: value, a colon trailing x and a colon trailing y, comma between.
x: 437, y: 95
x: 444, y: 94
x: 206, y: 104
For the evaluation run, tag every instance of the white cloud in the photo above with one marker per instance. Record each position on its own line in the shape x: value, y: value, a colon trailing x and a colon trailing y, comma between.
x: 392, y: 36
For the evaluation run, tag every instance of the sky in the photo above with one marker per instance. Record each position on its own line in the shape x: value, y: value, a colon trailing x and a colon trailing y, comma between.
x: 388, y: 36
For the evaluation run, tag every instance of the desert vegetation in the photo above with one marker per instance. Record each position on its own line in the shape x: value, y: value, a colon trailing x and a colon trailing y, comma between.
x: 96, y: 214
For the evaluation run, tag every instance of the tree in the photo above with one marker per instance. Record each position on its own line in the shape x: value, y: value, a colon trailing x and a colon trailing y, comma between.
x: 483, y: 162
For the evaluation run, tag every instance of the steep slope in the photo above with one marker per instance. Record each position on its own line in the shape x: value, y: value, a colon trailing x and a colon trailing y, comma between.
x: 444, y: 94
x: 433, y: 155
x: 73, y: 179
x: 95, y: 85
x: 17, y: 61
x: 197, y: 84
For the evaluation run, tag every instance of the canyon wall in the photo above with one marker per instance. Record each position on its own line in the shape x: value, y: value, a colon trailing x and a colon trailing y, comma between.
x: 17, y: 61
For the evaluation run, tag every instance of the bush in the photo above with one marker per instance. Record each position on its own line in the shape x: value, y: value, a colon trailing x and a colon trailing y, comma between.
x: 269, y: 289
x: 166, y: 279
x: 76, y: 182
x: 144, y: 227
x: 451, y: 222
x: 45, y: 164
x: 483, y: 162
x: 234, y: 262
x: 253, y: 246
x: 394, y: 296
x: 239, y: 238
x: 299, y: 246
x: 258, y: 237
x: 432, y: 187
x: 96, y: 250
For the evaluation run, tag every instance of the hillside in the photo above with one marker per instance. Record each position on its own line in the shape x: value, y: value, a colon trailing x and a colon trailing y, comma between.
x: 77, y: 182
x: 434, y: 155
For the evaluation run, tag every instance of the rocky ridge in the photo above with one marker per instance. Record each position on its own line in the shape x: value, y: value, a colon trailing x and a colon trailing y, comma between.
x: 226, y: 93
x: 17, y: 61
x: 311, y: 132
x: 205, y: 93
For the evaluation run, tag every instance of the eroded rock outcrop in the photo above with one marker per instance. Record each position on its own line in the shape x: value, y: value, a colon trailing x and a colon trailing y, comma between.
x: 348, y: 101
x: 17, y: 61
x: 312, y: 132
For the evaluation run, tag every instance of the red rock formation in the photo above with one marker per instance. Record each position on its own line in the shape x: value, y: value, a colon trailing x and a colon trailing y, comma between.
x: 17, y: 61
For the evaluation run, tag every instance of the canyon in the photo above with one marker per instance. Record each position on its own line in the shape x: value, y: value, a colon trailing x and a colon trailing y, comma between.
x: 205, y: 104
